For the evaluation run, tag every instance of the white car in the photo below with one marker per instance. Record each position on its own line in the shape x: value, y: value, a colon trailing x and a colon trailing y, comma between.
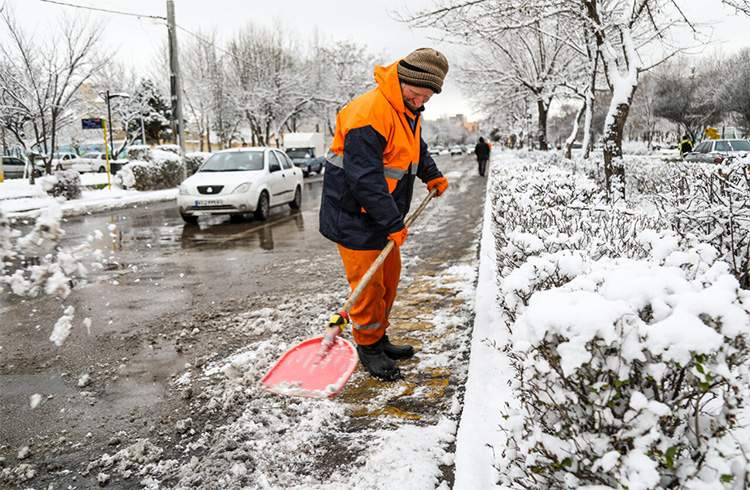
x: 97, y: 162
x: 240, y: 181
x: 64, y: 160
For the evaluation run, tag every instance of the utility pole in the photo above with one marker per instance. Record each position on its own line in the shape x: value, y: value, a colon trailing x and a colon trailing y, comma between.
x: 175, y: 83
x: 109, y: 122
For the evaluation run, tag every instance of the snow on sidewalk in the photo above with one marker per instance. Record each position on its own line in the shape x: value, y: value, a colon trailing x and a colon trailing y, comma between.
x: 19, y: 199
x: 480, y: 437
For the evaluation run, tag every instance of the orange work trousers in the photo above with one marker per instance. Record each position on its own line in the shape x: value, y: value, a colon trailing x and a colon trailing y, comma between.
x: 369, y: 314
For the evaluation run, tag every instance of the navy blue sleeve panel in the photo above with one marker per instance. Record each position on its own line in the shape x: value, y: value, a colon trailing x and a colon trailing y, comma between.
x: 427, y: 170
x: 363, y: 168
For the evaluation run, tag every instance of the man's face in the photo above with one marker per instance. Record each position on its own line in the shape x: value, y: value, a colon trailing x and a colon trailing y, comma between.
x: 415, y: 97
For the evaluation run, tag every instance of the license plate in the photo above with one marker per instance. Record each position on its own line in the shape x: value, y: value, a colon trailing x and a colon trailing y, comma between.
x: 208, y: 202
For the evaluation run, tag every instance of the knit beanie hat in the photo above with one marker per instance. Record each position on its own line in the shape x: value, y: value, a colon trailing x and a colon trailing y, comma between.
x: 424, y: 67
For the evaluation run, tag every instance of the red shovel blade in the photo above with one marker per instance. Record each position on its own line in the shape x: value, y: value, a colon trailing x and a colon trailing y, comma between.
x: 301, y: 371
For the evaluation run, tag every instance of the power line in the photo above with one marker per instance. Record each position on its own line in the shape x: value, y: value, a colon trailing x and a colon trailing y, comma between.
x: 210, y: 43
x: 157, y: 17
x: 119, y: 12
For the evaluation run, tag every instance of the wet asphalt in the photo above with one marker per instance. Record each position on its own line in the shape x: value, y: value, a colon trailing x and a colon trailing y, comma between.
x: 159, y: 279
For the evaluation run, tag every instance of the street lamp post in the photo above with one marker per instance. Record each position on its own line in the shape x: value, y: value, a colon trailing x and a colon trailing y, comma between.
x: 109, y: 122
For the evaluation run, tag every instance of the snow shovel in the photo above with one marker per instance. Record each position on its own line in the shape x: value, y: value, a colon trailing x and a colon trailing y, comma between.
x: 321, y: 366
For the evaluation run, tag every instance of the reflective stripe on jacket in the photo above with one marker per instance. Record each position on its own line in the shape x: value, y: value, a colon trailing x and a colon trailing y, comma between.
x: 376, y: 153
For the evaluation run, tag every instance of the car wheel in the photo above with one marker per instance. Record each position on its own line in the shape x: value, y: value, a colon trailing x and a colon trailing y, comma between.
x: 320, y: 169
x: 236, y: 218
x: 296, y: 203
x: 189, y: 219
x: 102, y: 170
x: 263, y: 207
x: 306, y: 173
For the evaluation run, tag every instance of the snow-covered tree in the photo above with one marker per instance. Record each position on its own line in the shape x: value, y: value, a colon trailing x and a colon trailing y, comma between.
x: 129, y: 100
x: 341, y: 71
x: 157, y: 112
x: 44, y: 77
x: 202, y: 82
x: 268, y: 80
x: 735, y: 89
x: 621, y: 32
x: 529, y: 60
x: 686, y: 96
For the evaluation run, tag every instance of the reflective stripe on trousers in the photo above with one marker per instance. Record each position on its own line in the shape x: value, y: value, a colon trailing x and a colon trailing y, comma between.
x: 369, y: 314
x: 363, y: 328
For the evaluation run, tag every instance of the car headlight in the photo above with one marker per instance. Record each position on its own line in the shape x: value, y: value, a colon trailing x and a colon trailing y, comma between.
x: 242, y: 188
x: 184, y: 190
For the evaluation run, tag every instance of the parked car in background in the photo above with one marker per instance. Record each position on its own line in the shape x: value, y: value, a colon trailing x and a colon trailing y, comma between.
x: 456, y: 150
x: 435, y: 150
x: 716, y: 151
x: 13, y: 168
x: 307, y: 151
x: 64, y: 160
x: 97, y: 162
x: 306, y: 159
x: 240, y: 181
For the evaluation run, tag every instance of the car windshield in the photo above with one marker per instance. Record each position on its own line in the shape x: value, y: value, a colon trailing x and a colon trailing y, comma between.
x: 239, y: 161
x: 299, y: 153
x: 740, y: 145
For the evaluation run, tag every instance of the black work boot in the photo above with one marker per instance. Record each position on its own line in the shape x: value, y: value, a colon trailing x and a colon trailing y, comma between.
x: 396, y: 351
x: 373, y: 358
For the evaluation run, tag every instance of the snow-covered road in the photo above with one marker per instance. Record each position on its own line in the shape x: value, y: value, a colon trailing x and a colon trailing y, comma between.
x: 173, y: 399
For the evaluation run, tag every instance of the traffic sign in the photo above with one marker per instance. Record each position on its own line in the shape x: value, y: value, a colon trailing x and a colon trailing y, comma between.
x: 712, y: 133
x: 91, y: 123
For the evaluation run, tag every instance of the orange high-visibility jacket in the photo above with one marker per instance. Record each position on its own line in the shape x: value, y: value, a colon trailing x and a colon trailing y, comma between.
x: 376, y: 153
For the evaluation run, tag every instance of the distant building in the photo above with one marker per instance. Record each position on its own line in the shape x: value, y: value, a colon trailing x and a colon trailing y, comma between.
x: 448, y: 130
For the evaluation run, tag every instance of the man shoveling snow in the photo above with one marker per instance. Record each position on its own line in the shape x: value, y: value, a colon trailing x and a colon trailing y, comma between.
x: 367, y: 189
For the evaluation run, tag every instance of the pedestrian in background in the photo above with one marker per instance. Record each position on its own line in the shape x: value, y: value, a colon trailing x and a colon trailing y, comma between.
x: 686, y: 146
x: 482, y: 151
x: 377, y: 152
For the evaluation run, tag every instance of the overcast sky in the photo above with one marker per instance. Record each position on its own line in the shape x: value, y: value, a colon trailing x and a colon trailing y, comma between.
x: 370, y: 22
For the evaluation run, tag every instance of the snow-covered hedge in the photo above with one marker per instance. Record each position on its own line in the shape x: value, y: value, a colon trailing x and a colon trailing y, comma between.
x: 170, y: 148
x: 150, y: 170
x: 194, y: 160
x: 629, y: 346
x: 546, y: 207
x: 630, y: 372
x: 704, y: 202
x: 711, y: 203
x: 65, y: 183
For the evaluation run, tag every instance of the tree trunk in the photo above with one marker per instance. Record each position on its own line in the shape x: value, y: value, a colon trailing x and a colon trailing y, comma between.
x: 208, y: 133
x: 542, y: 129
x: 588, y: 130
x: 614, y: 168
x: 574, y: 131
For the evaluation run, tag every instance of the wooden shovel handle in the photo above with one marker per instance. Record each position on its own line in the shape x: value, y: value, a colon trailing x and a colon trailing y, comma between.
x: 381, y: 258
